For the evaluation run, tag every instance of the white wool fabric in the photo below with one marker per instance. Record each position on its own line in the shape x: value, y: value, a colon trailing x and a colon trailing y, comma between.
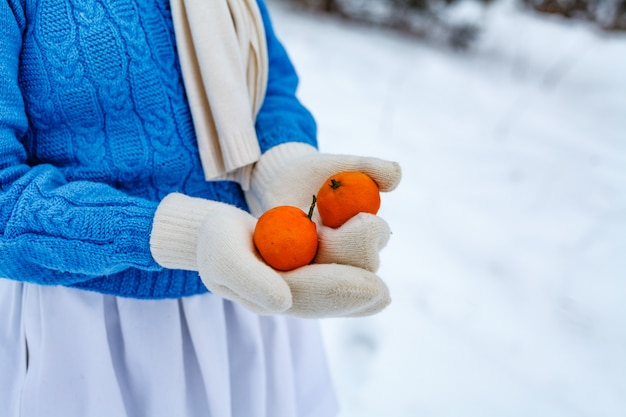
x: 290, y: 173
x: 223, y: 57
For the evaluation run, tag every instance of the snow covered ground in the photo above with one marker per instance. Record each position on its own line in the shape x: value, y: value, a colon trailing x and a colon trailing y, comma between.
x: 507, y: 263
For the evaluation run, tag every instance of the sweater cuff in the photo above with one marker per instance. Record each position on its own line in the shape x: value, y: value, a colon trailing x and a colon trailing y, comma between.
x: 174, y: 236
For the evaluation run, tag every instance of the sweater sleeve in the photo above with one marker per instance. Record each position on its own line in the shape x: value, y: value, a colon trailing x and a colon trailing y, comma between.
x: 282, y: 117
x: 54, y: 231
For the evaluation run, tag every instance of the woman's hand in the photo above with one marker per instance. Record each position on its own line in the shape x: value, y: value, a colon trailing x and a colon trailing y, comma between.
x: 291, y: 173
x: 215, y: 239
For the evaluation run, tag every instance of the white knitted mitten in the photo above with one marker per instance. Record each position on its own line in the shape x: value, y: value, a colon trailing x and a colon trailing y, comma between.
x: 215, y: 239
x: 291, y: 173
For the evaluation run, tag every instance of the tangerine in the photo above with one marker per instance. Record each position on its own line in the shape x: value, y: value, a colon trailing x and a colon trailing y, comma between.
x: 286, y: 237
x: 346, y: 194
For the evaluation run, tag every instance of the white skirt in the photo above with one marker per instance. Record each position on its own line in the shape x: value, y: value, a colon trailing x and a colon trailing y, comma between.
x: 70, y: 353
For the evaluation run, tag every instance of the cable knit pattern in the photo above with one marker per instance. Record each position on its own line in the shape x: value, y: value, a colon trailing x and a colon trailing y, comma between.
x: 95, y: 130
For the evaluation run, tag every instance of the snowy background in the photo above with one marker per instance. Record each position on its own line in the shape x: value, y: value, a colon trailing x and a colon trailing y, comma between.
x: 507, y: 263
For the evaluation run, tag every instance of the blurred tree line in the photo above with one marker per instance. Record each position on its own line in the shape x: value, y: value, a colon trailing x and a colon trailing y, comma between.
x: 457, y: 22
x: 608, y: 14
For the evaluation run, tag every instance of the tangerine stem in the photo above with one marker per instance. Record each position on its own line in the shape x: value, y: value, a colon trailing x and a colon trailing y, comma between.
x: 312, y: 207
x: 334, y: 184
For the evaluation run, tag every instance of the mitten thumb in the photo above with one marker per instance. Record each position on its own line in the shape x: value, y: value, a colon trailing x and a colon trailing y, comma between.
x: 357, y: 242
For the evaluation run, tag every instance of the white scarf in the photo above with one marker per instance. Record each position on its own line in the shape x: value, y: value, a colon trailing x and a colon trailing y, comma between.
x: 223, y: 57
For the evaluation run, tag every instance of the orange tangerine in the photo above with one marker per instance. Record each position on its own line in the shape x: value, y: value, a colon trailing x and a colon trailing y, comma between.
x: 286, y: 237
x: 346, y: 194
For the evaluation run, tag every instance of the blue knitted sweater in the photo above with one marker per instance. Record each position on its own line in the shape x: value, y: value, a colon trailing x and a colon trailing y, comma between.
x: 95, y: 130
